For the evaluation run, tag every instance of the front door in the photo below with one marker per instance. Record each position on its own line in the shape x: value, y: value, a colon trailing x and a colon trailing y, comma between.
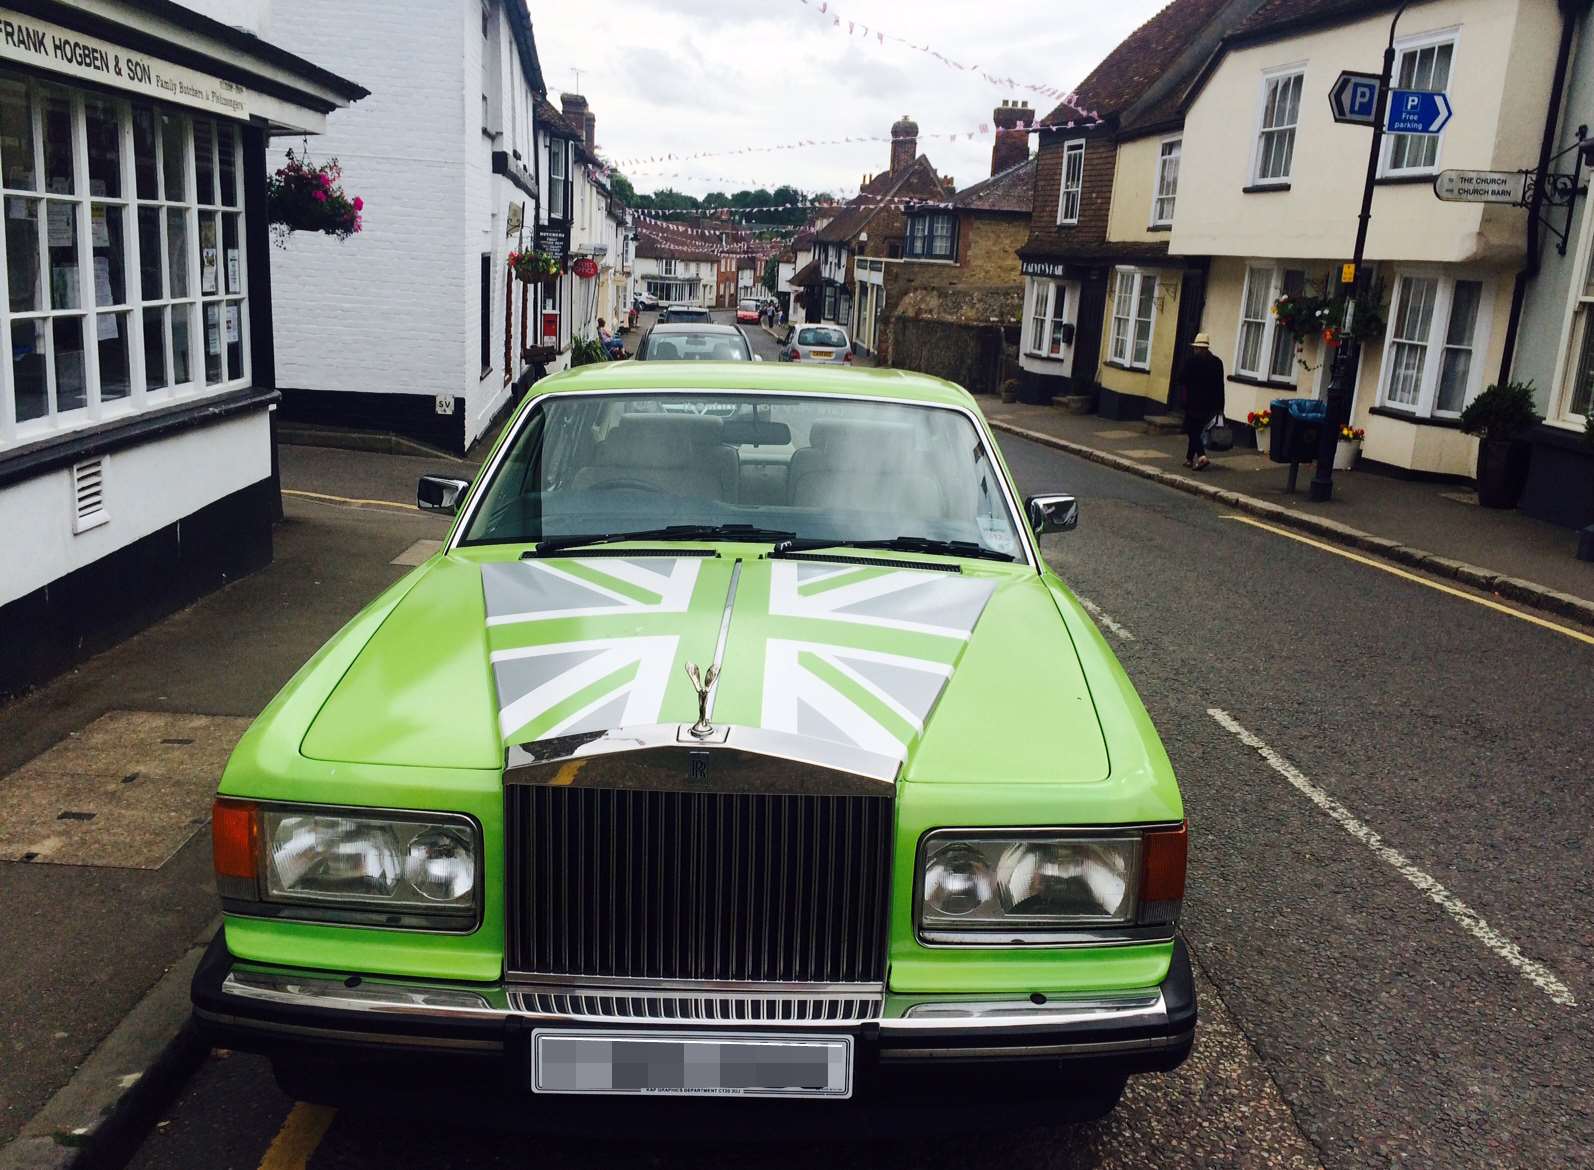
x: 1192, y: 303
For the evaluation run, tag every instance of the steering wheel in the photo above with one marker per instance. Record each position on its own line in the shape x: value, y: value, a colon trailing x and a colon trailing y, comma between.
x: 624, y: 485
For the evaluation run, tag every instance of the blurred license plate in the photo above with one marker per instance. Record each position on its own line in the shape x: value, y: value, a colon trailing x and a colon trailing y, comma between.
x: 691, y: 1064
x: 818, y: 354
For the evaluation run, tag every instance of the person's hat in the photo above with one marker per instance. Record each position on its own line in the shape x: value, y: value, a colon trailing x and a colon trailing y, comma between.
x: 1202, y: 341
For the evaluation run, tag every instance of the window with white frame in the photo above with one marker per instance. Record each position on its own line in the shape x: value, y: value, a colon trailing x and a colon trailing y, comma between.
x: 1134, y: 307
x: 1422, y: 65
x: 1072, y: 187
x: 1432, y: 358
x: 1167, y: 182
x: 557, y: 197
x: 1281, y: 111
x: 123, y: 250
x: 1576, y: 399
x: 1048, y: 313
x: 1265, y: 349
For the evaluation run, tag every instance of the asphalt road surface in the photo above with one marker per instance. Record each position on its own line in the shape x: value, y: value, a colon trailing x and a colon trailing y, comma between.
x: 1387, y: 784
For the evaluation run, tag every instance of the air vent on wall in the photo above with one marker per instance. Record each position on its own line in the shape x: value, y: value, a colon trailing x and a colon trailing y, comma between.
x: 88, y: 495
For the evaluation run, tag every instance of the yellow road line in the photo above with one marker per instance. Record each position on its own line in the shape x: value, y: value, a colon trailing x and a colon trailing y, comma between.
x: 1576, y: 635
x: 299, y: 1137
x: 349, y: 500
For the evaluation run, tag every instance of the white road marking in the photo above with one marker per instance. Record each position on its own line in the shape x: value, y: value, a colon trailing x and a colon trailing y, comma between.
x: 1096, y: 612
x: 1466, y: 917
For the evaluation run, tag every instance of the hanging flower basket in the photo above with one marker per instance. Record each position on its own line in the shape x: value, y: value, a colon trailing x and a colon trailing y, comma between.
x: 304, y: 197
x: 586, y: 268
x: 534, y: 267
x: 1300, y: 314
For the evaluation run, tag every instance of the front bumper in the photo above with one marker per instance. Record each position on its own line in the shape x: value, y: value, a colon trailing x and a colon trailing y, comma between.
x: 903, y: 1043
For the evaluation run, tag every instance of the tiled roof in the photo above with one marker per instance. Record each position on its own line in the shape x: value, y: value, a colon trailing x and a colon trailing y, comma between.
x: 916, y: 182
x: 1142, y: 58
x: 806, y: 275
x: 1009, y: 190
x: 1287, y: 12
x: 552, y: 121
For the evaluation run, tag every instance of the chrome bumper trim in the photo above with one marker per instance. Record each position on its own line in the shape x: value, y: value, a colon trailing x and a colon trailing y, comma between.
x: 906, y: 1016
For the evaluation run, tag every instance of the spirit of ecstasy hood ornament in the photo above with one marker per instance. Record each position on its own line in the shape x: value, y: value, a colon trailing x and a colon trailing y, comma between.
x: 704, y: 685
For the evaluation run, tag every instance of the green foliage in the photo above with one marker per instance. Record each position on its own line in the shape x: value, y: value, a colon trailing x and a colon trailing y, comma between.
x: 585, y: 351
x: 1501, y: 412
x: 622, y: 188
x: 772, y: 273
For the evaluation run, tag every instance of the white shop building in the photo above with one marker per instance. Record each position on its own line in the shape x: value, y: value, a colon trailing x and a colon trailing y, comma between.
x: 136, y: 455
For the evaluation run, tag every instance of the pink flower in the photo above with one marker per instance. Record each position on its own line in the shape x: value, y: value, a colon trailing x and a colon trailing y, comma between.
x: 359, y: 204
x: 319, y: 196
x: 326, y: 179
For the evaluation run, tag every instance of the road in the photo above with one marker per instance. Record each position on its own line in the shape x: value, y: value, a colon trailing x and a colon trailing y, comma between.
x: 1387, y: 787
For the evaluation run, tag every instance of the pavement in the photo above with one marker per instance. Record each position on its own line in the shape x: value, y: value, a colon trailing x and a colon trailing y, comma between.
x: 1442, y: 519
x: 1388, y: 851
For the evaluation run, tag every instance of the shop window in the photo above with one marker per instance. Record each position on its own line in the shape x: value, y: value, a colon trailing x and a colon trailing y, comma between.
x: 123, y: 249
x: 1134, y: 311
x: 1432, y: 358
x: 1048, y: 335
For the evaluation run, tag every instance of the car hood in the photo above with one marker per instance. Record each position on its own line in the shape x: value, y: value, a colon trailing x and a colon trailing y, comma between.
x: 957, y: 676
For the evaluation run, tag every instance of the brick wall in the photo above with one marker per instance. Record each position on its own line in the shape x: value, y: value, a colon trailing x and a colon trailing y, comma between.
x: 1101, y: 156
x: 987, y: 257
x: 394, y: 308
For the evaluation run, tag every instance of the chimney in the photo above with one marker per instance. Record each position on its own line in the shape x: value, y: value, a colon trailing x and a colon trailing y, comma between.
x: 1011, y: 146
x: 590, y: 127
x: 904, y: 144
x: 948, y: 186
x: 574, y: 108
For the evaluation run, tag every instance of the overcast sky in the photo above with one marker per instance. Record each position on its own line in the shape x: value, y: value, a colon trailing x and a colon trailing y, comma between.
x: 682, y: 76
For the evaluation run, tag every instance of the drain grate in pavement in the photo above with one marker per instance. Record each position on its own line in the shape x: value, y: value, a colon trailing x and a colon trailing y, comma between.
x: 128, y: 790
x: 418, y: 553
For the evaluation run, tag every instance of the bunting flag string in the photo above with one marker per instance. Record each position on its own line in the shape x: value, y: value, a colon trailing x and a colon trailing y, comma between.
x: 652, y: 214
x: 828, y: 13
x: 1085, y: 120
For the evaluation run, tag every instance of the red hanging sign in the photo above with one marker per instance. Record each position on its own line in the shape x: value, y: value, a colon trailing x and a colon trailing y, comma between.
x: 586, y: 268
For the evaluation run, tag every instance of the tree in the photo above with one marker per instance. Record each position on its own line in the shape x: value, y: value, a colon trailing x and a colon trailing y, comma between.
x: 669, y: 199
x: 622, y: 188
x: 772, y: 272
x: 714, y: 200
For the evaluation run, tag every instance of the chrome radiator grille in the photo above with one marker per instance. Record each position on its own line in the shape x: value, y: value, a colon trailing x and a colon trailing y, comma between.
x: 658, y: 885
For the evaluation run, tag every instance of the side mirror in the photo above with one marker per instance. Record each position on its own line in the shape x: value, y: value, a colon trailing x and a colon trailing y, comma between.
x: 1052, y: 513
x: 440, y: 493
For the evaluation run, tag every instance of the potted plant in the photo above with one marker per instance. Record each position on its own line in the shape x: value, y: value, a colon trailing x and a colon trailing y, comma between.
x: 1498, y: 417
x: 304, y: 197
x: 1349, y: 447
x: 1259, y: 421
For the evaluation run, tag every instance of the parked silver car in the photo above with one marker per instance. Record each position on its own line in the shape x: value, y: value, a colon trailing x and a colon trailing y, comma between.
x: 695, y: 342
x: 818, y: 343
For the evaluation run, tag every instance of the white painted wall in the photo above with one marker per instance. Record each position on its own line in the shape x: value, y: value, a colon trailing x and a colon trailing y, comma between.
x: 146, y: 488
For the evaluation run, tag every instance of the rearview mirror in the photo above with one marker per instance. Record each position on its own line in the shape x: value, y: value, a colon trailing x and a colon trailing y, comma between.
x: 440, y: 493
x: 1053, y: 512
x: 745, y: 432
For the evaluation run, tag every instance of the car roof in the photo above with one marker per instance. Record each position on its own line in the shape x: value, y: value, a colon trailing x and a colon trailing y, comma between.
x: 755, y: 377
x: 842, y: 329
x: 694, y: 327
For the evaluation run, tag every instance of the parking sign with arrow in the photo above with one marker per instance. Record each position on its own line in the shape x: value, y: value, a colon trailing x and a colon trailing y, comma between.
x: 1354, y: 98
x: 1416, y: 111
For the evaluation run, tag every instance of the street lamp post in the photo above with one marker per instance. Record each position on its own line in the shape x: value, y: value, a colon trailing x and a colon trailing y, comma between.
x: 1348, y: 352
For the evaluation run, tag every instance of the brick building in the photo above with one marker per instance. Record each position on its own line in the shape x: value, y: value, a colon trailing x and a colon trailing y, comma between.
x: 1072, y: 261
x: 953, y: 303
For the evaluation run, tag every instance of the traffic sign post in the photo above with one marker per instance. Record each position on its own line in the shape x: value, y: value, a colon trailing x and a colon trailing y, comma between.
x: 1417, y: 111
x: 1354, y: 98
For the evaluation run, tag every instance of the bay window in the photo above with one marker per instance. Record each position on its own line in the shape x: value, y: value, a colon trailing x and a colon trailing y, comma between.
x: 1433, y: 356
x: 1265, y: 349
x: 1134, y: 306
x: 1048, y: 318
x: 123, y: 251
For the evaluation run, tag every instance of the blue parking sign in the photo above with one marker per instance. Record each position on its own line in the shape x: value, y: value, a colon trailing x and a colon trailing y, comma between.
x: 1416, y: 111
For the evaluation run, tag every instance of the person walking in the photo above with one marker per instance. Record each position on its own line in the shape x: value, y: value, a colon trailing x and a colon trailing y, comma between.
x: 1201, y: 376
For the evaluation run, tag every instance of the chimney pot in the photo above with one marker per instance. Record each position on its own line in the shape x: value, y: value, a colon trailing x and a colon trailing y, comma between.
x: 1012, y: 145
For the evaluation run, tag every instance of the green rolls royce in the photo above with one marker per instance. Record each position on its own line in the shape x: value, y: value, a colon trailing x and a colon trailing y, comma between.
x: 737, y: 743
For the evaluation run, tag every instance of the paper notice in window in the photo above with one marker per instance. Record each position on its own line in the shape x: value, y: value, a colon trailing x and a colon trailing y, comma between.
x: 233, y: 277
x: 232, y: 324
x: 207, y: 270
x: 102, y: 281
x: 99, y: 229
x: 61, y: 233
x: 107, y: 327
x: 212, y: 340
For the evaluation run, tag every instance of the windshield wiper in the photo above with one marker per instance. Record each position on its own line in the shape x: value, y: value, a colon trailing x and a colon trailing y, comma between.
x: 919, y: 544
x: 556, y: 544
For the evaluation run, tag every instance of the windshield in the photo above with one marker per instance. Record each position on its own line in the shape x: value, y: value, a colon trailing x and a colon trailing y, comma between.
x: 832, y: 337
x: 750, y: 306
x: 820, y: 468
x: 686, y: 347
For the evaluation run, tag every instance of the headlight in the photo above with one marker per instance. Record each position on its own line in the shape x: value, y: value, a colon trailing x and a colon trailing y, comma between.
x: 977, y: 884
x: 347, y: 865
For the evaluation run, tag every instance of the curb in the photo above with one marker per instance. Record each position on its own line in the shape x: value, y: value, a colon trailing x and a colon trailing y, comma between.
x: 382, y: 442
x: 1511, y: 588
x: 94, y: 1119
